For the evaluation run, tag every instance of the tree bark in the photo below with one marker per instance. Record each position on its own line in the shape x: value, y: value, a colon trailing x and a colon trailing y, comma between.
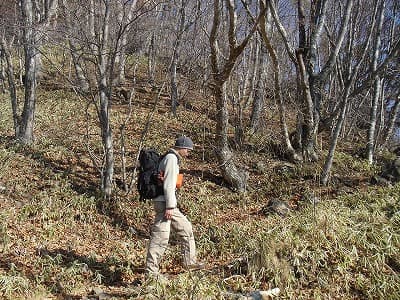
x: 309, y: 128
x: 258, y: 102
x: 174, y: 59
x: 377, y: 91
x: 83, y: 83
x: 334, y: 139
x: 81, y: 79
x: 235, y: 177
x: 151, y: 58
x: 391, y: 123
x: 277, y: 85
x: 352, y: 70
x: 105, y: 105
x: 232, y: 174
x: 25, y: 133
x: 11, y: 84
x: 35, y: 20
x: 120, y: 59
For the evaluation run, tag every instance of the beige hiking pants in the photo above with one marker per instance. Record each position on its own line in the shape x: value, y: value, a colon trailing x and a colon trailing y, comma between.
x: 160, y: 233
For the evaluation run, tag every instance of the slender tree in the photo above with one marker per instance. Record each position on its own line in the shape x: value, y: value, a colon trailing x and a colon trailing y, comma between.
x: 180, y: 28
x: 100, y: 38
x: 291, y: 153
x: 351, y: 70
x: 377, y: 88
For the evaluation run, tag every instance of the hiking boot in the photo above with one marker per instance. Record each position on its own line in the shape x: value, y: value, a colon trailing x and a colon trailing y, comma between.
x: 196, y: 266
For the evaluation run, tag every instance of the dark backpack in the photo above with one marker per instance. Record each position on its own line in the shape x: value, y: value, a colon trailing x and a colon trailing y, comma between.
x: 148, y: 184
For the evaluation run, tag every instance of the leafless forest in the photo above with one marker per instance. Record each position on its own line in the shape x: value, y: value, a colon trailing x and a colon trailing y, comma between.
x: 332, y: 65
x: 302, y: 81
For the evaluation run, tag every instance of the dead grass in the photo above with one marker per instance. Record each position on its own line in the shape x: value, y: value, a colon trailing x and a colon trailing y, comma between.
x: 57, y: 241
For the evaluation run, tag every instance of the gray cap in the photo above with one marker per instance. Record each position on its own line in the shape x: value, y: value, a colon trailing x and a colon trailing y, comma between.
x: 184, y: 142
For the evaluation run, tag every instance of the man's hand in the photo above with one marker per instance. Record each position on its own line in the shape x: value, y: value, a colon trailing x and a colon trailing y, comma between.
x: 160, y: 176
x: 168, y: 213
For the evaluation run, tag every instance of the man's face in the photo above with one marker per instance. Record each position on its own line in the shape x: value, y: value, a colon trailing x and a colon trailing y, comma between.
x: 184, y: 152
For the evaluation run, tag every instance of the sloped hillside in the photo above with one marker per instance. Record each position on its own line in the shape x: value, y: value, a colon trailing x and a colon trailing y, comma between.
x: 59, y: 240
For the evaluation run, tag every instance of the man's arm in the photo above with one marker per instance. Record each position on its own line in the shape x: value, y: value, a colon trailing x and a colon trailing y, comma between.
x: 170, y: 176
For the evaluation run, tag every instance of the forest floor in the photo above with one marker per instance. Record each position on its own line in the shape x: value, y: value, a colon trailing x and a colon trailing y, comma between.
x: 59, y: 240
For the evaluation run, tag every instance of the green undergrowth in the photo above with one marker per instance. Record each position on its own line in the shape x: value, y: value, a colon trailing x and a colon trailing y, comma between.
x: 347, y: 248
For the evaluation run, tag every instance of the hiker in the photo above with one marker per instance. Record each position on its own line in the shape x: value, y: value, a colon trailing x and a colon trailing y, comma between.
x: 168, y: 216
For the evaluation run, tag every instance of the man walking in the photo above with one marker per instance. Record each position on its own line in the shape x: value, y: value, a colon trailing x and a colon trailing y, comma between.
x: 168, y: 216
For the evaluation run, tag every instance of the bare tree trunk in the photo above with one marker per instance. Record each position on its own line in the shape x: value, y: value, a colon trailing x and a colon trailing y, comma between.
x: 174, y: 87
x: 377, y: 91
x: 2, y: 72
x: 237, y: 103
x: 277, y: 85
x: 251, y: 74
x: 107, y: 137
x: 151, y: 58
x: 307, y: 60
x: 391, y: 123
x: 91, y: 23
x: 105, y: 106
x: 308, y: 130
x: 334, y: 139
x: 99, y: 49
x: 11, y: 84
x: 393, y: 115
x: 80, y: 75
x: 381, y: 114
x: 120, y: 59
x: 352, y: 72
x: 235, y: 177
x: 82, y: 81
x: 31, y: 35
x: 244, y: 89
x: 174, y: 59
x: 258, y: 102
x: 25, y: 133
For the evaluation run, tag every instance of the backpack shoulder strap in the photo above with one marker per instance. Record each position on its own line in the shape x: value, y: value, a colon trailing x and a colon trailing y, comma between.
x: 174, y: 153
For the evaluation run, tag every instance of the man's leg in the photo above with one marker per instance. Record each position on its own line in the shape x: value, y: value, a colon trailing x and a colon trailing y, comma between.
x: 159, y: 238
x: 183, y: 228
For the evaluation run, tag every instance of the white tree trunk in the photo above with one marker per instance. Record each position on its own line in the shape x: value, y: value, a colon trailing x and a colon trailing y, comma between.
x: 391, y: 122
x: 79, y: 73
x: 377, y: 90
x: 120, y: 59
x: 258, y: 99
